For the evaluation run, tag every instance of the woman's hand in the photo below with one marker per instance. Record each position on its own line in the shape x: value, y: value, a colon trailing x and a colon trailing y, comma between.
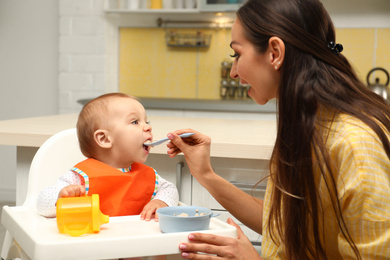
x: 217, y: 247
x: 196, y: 150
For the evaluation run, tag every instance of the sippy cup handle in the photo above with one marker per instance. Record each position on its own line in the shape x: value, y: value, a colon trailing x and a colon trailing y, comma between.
x: 76, y: 232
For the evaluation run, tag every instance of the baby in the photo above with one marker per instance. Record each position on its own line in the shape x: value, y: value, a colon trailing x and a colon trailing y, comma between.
x: 112, y: 129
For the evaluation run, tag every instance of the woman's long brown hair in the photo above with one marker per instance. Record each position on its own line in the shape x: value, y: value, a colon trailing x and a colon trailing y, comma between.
x: 312, y: 75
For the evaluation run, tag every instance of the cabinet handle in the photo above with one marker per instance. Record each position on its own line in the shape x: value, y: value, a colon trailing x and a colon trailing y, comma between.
x: 249, y: 186
x: 256, y: 243
x: 179, y: 168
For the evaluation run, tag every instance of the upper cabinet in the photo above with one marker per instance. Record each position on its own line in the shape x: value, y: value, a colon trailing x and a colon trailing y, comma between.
x: 359, y: 13
x: 172, y: 6
x: 345, y: 13
x: 172, y: 13
x: 219, y: 5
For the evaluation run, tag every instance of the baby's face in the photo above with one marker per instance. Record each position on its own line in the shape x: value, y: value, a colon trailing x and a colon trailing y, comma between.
x: 129, y: 130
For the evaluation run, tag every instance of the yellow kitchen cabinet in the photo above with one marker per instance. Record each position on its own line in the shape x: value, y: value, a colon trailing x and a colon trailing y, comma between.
x: 149, y: 68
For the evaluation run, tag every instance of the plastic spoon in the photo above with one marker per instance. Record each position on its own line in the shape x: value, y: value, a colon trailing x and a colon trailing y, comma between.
x: 166, y: 139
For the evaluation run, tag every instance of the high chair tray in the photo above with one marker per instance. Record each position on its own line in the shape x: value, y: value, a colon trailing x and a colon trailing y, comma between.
x: 122, y: 237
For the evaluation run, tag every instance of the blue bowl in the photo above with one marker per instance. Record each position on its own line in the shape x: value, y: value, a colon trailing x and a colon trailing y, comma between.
x: 198, y: 218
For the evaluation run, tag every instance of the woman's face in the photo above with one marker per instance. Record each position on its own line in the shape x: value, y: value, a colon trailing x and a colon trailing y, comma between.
x: 253, y: 68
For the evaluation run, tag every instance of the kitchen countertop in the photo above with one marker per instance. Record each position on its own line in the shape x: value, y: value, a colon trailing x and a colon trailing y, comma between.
x: 222, y: 105
x: 242, y: 139
x: 231, y: 138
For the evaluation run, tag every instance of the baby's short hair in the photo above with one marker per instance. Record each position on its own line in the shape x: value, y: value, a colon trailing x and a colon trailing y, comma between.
x: 92, y: 117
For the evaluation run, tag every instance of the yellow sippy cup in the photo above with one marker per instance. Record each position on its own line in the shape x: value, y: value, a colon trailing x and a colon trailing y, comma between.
x: 79, y: 215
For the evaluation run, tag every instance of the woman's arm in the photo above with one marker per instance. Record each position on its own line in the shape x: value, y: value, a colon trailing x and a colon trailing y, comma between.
x: 196, y: 149
x: 219, y: 247
x: 246, y: 208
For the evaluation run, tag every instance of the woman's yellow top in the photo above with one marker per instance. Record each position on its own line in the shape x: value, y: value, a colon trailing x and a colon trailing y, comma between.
x: 363, y: 185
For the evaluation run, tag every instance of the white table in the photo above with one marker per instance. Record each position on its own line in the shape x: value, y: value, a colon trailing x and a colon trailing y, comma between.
x: 126, y: 236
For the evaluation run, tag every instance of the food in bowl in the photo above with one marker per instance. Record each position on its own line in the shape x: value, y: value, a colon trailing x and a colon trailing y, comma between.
x: 182, y: 215
x: 186, y: 215
x: 183, y: 218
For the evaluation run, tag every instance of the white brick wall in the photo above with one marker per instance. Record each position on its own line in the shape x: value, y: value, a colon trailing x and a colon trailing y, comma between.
x: 87, y: 52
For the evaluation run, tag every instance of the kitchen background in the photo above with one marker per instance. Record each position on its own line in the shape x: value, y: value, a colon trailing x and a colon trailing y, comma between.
x: 150, y: 68
x: 55, y: 53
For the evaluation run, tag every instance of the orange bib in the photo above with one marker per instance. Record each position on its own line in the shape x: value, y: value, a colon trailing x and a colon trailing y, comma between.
x: 121, y: 193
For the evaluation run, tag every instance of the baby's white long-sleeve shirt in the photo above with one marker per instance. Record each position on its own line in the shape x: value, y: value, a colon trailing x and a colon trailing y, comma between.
x: 47, y: 199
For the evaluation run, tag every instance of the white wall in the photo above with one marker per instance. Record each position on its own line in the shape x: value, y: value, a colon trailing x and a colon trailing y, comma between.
x: 87, y: 62
x: 28, y: 70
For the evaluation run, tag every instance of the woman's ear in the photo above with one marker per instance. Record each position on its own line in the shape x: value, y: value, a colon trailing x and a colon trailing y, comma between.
x: 277, y: 49
x: 102, y: 138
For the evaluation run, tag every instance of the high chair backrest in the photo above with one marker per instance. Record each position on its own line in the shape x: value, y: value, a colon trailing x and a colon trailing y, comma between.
x: 54, y: 158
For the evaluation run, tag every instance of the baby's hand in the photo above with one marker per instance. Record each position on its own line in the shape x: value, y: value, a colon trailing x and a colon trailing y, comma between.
x: 72, y: 191
x: 150, y: 209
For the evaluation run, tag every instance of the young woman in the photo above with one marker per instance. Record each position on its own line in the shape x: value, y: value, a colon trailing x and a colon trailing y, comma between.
x: 328, y: 193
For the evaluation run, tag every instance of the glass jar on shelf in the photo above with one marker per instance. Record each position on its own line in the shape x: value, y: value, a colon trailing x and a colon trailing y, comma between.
x: 224, y: 89
x: 225, y: 69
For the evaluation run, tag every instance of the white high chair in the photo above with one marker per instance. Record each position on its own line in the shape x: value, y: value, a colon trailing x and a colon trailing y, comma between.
x: 32, y: 236
x: 53, y: 159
